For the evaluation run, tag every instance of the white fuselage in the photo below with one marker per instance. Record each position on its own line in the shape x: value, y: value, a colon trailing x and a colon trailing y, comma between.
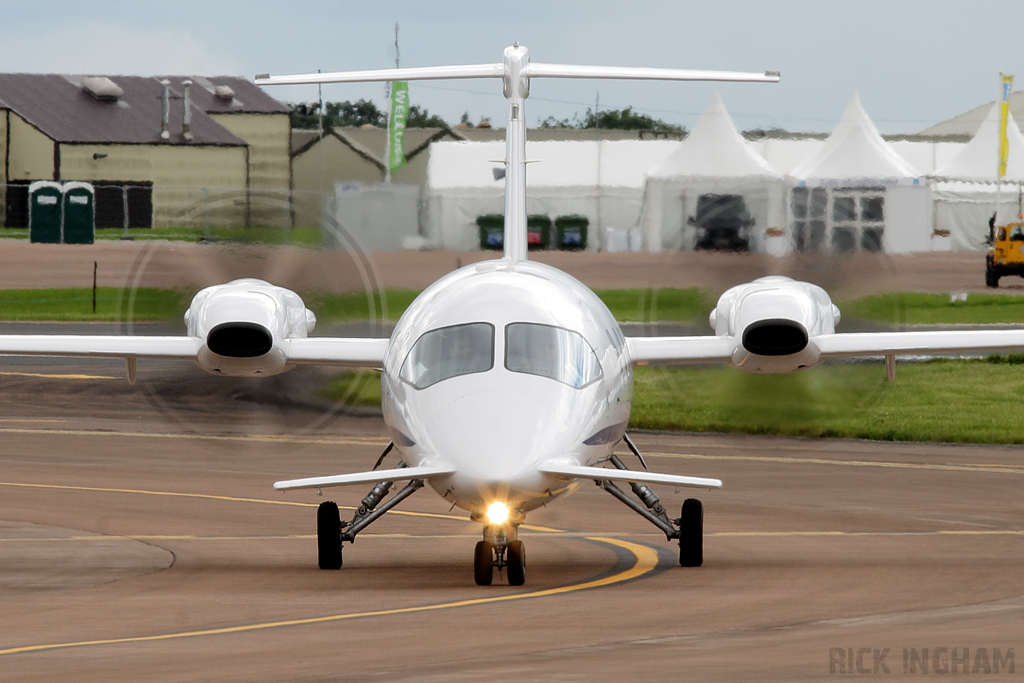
x: 494, y: 427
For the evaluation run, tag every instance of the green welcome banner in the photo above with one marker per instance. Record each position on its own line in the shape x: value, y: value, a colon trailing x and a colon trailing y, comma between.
x: 396, y: 124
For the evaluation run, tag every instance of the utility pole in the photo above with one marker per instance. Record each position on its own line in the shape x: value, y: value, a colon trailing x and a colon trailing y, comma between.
x: 597, y: 135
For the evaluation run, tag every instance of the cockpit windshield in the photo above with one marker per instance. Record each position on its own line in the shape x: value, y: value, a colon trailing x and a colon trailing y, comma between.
x: 551, y: 352
x: 449, y: 352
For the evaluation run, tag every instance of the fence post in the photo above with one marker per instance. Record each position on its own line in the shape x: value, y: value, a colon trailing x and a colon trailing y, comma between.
x: 124, y: 200
x: 207, y: 237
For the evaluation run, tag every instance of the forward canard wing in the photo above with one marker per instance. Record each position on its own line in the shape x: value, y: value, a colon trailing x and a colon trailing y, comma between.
x: 567, y: 471
x: 371, y: 477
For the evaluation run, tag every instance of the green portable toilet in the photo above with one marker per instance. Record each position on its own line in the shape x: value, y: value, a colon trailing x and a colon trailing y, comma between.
x: 45, y: 204
x: 79, y: 213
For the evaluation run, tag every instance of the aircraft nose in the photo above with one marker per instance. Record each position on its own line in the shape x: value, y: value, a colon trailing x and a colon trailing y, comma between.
x: 497, y: 434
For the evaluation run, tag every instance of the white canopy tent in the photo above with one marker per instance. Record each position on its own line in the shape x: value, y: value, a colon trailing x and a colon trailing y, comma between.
x: 602, y: 180
x: 856, y: 192
x: 964, y: 188
x: 714, y: 159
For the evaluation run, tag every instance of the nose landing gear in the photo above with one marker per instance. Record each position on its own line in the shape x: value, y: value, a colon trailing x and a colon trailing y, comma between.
x: 501, y: 549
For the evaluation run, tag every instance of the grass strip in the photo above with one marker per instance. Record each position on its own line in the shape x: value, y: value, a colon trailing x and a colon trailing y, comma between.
x: 112, y: 303
x: 945, y: 400
x: 306, y: 237
x: 910, y: 308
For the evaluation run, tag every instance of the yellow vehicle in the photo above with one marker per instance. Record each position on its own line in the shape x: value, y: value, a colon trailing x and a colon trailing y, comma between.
x: 1005, y: 253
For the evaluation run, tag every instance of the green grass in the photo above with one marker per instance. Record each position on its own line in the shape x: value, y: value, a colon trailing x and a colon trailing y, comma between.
x: 953, y: 401
x: 112, y: 303
x: 360, y: 388
x: 933, y: 309
x: 305, y: 237
x: 662, y: 305
x: 975, y: 401
x: 355, y: 306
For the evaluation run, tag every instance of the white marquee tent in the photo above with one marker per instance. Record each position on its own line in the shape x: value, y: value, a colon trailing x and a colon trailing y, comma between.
x: 860, y: 194
x: 713, y: 159
x: 602, y: 180
x: 964, y: 188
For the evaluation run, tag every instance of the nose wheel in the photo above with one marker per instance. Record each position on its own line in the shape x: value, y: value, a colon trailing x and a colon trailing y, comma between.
x: 515, y: 563
x: 496, y: 551
x: 483, y: 563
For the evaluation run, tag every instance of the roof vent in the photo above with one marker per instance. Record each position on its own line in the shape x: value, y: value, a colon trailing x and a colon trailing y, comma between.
x: 224, y: 92
x: 102, y: 88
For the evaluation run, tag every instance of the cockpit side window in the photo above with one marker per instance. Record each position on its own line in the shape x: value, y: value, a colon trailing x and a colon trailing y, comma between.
x: 552, y: 352
x: 449, y: 352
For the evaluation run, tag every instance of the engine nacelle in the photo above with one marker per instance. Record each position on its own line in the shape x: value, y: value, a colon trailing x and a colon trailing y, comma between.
x: 242, y: 323
x: 775, y: 320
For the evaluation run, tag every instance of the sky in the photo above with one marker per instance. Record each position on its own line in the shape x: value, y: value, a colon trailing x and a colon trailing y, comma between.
x: 913, y: 62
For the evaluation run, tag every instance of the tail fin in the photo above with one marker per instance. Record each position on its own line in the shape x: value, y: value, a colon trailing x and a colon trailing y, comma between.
x: 515, y: 70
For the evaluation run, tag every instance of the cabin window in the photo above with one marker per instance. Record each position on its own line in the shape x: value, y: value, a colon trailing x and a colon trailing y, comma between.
x: 551, y: 352
x: 449, y: 352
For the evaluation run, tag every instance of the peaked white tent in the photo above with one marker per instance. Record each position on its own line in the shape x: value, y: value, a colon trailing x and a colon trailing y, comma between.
x: 856, y: 192
x: 964, y: 188
x: 714, y: 159
x: 855, y: 155
x: 602, y: 180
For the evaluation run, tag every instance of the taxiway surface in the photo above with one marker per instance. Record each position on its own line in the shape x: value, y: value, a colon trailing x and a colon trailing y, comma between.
x: 140, y: 541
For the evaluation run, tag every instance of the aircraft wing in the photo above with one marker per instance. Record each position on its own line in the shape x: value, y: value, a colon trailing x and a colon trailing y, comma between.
x: 607, y: 473
x: 102, y: 346
x: 337, y: 351
x: 930, y: 342
x: 360, y: 353
x: 678, y: 350
x: 722, y: 349
x: 372, y: 477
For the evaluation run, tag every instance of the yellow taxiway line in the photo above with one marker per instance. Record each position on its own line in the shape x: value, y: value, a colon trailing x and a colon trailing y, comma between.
x: 49, y: 375
x: 972, y: 467
x: 381, y: 441
x: 646, y: 560
x: 262, y: 438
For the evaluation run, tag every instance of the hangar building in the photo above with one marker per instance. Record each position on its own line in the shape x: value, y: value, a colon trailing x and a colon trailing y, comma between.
x: 223, y: 158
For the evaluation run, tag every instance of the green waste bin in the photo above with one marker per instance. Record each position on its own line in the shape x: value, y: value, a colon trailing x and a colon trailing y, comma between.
x: 492, y: 231
x: 79, y: 213
x: 571, y: 231
x: 45, y: 208
x: 538, y: 231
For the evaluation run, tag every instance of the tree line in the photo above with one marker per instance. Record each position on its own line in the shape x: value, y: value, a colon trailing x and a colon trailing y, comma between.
x: 362, y: 112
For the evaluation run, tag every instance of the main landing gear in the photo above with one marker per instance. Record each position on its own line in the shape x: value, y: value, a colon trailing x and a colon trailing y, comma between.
x: 331, y: 532
x: 688, y: 528
x: 501, y: 549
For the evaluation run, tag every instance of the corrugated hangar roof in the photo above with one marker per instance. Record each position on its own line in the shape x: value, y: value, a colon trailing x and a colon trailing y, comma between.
x: 62, y: 109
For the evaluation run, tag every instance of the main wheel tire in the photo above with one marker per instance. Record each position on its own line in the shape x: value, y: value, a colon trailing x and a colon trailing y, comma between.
x: 691, y: 534
x: 483, y: 563
x: 515, y: 563
x: 328, y: 535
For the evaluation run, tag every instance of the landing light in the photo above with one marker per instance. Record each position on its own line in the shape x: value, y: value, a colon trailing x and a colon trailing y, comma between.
x: 497, y: 513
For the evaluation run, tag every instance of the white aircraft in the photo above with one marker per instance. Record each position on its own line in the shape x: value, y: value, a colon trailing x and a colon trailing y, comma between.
x: 508, y: 382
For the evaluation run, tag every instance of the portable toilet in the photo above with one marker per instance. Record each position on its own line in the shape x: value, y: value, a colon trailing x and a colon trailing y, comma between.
x: 79, y: 213
x: 45, y: 204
